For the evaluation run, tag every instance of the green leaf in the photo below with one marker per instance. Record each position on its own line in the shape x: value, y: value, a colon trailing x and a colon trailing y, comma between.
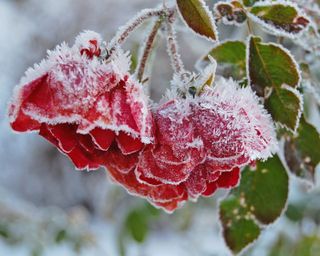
x: 137, y: 225
x: 239, y: 229
x: 280, y: 19
x: 266, y: 189
x: 260, y: 198
x: 198, y: 17
x: 61, y: 235
x: 270, y: 65
x: 231, y: 55
x: 273, y: 74
x: 249, y: 2
x: 285, y: 105
x: 302, y: 152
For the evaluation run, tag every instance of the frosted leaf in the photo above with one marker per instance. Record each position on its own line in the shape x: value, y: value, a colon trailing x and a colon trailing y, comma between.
x: 280, y: 18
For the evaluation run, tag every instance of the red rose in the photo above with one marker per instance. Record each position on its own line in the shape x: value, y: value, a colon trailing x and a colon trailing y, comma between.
x: 200, y: 145
x: 82, y: 104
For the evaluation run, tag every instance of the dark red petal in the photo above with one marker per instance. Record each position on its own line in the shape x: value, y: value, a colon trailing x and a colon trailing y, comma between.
x: 121, y: 163
x: 24, y: 123
x: 127, y: 144
x: 211, y: 188
x: 85, y: 142
x: 229, y: 179
x: 45, y: 132
x: 66, y: 136
x: 162, y: 165
x: 102, y: 138
x: 81, y: 160
x: 143, y: 179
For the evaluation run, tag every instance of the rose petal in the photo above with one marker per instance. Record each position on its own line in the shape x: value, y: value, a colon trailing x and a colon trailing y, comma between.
x: 229, y: 179
x: 161, y: 164
x: 121, y: 163
x: 86, y: 142
x: 65, y: 135
x: 82, y: 160
x: 211, y: 188
x: 128, y: 144
x: 102, y: 138
x: 196, y: 183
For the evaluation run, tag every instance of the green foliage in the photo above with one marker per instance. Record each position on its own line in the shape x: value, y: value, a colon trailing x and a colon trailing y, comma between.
x: 231, y: 55
x: 136, y: 225
x: 272, y: 69
x: 260, y: 198
x: 61, y: 236
x: 198, y: 18
x: 305, y: 246
x: 280, y: 18
x: 285, y: 107
x: 239, y: 228
x: 302, y: 151
x: 249, y: 2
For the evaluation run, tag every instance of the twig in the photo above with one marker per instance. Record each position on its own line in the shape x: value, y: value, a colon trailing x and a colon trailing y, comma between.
x: 250, y: 29
x: 148, y: 48
x: 125, y: 31
x: 174, y: 55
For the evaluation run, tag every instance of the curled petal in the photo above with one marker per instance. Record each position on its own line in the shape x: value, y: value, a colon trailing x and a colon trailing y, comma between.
x: 102, y: 138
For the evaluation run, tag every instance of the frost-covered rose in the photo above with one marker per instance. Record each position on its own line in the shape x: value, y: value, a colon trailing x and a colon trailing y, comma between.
x: 201, y: 142
x: 82, y: 103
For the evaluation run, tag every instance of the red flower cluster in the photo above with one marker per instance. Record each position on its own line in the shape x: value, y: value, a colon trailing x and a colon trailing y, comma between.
x: 94, y: 111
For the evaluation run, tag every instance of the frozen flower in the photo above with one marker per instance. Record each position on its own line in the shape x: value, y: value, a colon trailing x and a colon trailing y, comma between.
x: 201, y: 144
x: 83, y: 103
